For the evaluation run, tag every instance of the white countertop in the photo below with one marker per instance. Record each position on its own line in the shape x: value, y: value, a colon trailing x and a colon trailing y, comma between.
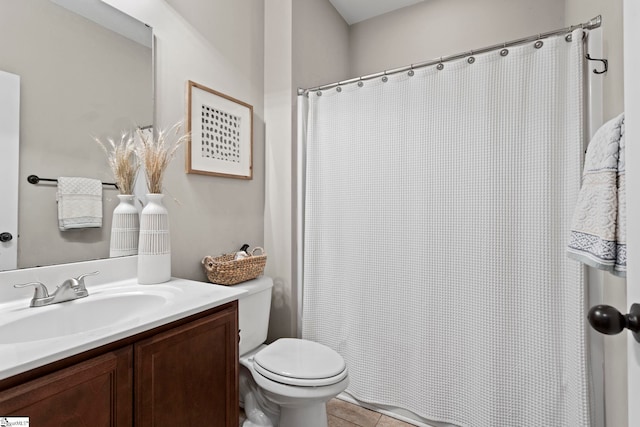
x: 131, y: 312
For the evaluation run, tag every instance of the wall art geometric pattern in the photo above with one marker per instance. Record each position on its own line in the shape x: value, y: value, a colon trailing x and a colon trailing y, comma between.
x: 220, y: 134
x: 221, y: 130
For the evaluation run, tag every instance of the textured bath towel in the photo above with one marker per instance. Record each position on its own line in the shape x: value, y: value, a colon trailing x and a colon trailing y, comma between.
x: 79, y: 203
x: 598, y: 231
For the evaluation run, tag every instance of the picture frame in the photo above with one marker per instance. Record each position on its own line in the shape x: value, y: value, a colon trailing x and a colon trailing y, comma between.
x: 221, y: 134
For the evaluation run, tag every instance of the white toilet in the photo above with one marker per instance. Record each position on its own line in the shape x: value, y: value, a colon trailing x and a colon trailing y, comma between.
x: 288, y: 382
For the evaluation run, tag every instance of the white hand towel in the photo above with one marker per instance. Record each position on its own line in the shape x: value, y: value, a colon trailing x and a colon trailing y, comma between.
x: 79, y: 203
x: 598, y: 231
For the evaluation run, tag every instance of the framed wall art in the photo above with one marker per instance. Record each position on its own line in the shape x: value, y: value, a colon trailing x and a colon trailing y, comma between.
x: 221, y: 129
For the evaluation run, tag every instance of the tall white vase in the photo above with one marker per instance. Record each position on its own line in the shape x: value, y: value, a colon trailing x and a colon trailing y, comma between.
x: 154, y: 251
x: 125, y: 228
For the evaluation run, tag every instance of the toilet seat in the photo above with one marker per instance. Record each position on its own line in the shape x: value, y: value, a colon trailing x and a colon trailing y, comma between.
x: 300, y: 362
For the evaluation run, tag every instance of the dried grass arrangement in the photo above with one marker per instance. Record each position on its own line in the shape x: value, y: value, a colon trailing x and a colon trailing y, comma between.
x: 156, y: 154
x: 123, y: 161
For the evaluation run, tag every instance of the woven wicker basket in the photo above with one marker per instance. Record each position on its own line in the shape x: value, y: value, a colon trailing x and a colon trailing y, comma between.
x: 225, y: 270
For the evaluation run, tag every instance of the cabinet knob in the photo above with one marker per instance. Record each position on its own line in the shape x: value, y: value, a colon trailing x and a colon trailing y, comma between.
x: 608, y: 320
x: 5, y: 237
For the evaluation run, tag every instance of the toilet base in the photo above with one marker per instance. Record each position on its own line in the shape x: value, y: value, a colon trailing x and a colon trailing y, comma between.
x: 314, y: 415
x: 298, y: 406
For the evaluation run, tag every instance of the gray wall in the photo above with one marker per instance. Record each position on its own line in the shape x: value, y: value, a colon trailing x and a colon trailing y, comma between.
x: 320, y: 55
x: 278, y: 183
x: 321, y: 51
x: 306, y: 43
x: 436, y: 28
x: 78, y: 80
x: 219, y: 44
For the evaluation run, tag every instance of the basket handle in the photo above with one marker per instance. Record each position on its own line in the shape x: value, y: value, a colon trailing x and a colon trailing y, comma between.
x: 207, y: 261
x: 253, y: 251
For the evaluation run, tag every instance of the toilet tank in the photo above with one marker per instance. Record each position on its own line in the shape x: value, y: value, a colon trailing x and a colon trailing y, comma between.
x: 253, y: 312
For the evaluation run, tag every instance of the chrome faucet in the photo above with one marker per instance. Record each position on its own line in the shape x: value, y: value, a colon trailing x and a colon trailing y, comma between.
x: 69, y: 290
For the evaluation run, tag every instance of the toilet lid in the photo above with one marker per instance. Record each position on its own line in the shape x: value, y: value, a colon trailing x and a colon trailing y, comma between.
x: 300, y: 362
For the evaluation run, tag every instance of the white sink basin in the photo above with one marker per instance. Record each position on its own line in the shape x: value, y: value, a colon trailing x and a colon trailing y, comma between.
x: 117, y: 308
x: 79, y: 316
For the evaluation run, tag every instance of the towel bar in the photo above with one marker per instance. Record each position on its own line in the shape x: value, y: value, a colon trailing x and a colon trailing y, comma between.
x: 35, y: 179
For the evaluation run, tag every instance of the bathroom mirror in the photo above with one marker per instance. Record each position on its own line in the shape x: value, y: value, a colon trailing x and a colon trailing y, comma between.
x: 79, y: 79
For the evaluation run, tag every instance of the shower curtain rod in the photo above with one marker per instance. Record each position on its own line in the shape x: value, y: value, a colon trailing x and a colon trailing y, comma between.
x: 594, y: 23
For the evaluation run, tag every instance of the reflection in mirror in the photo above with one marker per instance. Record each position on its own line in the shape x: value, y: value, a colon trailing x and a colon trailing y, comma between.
x: 78, y: 80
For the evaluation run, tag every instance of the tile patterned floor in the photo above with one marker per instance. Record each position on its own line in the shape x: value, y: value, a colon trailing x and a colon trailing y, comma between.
x: 345, y: 414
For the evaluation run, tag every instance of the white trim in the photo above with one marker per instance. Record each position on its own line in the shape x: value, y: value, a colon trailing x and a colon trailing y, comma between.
x: 9, y: 153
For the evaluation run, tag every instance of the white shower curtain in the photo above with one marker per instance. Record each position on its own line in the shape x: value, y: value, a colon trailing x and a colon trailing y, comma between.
x: 437, y: 212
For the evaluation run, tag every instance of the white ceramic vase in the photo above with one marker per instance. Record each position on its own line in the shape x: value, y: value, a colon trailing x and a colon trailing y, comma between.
x: 125, y: 228
x: 154, y: 250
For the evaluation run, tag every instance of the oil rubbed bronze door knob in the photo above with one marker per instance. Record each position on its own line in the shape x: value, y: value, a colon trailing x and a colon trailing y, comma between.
x: 5, y: 237
x: 608, y: 320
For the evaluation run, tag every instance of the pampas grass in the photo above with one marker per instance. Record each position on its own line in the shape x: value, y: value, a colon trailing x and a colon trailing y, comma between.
x: 156, y: 154
x: 123, y: 161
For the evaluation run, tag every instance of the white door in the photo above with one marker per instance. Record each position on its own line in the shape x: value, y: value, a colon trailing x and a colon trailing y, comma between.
x: 632, y: 137
x: 9, y: 146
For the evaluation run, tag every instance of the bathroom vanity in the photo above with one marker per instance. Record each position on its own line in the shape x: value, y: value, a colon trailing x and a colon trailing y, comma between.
x: 171, y: 358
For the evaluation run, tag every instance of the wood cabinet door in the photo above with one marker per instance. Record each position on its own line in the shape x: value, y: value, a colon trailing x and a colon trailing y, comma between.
x: 94, y: 393
x: 188, y: 376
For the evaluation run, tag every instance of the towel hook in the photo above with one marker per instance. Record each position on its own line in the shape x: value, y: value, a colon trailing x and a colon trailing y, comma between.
x: 604, y: 62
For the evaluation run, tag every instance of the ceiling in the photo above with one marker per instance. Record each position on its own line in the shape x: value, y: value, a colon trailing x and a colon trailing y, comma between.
x: 354, y: 11
x: 109, y: 17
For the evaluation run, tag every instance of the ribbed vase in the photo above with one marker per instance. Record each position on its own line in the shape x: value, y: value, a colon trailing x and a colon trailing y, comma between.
x: 154, y: 251
x: 125, y: 228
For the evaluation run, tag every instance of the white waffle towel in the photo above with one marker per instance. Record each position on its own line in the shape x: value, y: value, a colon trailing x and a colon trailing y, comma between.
x: 79, y: 203
x: 598, y: 232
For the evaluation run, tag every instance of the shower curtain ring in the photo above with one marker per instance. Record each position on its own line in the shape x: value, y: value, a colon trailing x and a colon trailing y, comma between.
x: 384, y: 77
x: 538, y: 44
x: 440, y: 65
x: 504, y: 51
x: 471, y: 59
x: 360, y: 83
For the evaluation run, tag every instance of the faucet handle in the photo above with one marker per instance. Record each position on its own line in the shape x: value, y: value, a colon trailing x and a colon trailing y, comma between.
x: 80, y: 278
x: 40, y: 291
